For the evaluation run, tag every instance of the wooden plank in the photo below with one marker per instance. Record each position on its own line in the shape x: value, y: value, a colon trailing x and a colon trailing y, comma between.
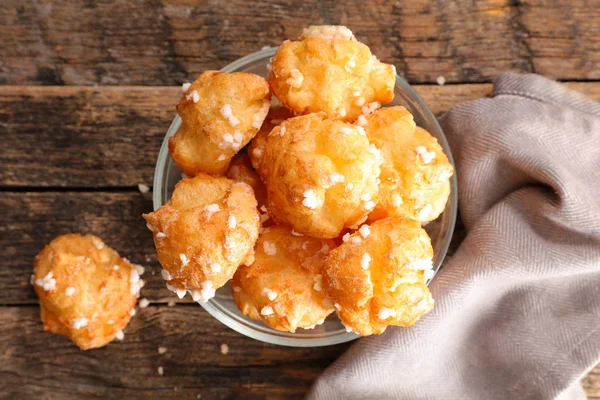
x: 591, y: 383
x: 164, y: 43
x: 110, y: 136
x: 563, y: 36
x: 82, y: 136
x: 35, y: 364
x: 35, y: 219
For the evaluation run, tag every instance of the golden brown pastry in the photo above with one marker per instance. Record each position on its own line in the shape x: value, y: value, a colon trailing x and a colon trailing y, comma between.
x: 241, y: 170
x: 87, y: 291
x: 321, y: 175
x: 328, y: 70
x: 275, y: 117
x: 377, y: 277
x: 220, y: 113
x: 415, y: 174
x: 204, y: 233
x: 283, y: 285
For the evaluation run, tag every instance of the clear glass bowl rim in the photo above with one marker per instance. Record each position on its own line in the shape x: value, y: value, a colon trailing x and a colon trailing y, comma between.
x: 267, y: 334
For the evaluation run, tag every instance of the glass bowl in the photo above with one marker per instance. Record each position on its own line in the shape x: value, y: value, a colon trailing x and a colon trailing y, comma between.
x: 222, y: 306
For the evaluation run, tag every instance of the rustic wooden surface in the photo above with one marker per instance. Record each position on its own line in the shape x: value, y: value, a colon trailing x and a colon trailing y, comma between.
x: 87, y: 91
x: 147, y: 42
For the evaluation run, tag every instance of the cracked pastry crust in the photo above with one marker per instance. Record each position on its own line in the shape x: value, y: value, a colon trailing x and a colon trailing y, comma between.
x: 328, y: 71
x: 283, y: 286
x: 415, y: 173
x: 321, y: 175
x: 202, y: 235
x: 240, y: 170
x: 275, y: 117
x: 377, y: 277
x: 86, y: 290
x: 220, y: 113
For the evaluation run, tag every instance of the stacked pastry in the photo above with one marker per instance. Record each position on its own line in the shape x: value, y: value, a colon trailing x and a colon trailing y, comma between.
x: 309, y: 204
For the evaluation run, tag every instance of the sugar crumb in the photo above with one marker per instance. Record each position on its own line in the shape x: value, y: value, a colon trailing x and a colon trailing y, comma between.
x: 213, y: 208
x: 365, y: 231
x: 296, y: 78
x: 365, y: 262
x: 424, y: 212
x: 270, y: 248
x: 224, y: 349
x: 328, y: 32
x: 369, y: 205
x: 385, y: 313
x: 318, y: 280
x: 231, y: 222
x: 257, y: 152
x: 271, y: 294
x: 266, y: 311
x: 79, y: 323
x: 310, y: 199
x: 47, y: 282
x: 166, y: 275
x: 184, y: 260
x: 355, y: 240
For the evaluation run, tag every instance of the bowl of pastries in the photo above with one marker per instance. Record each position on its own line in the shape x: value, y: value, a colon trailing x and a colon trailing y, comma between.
x: 304, y: 195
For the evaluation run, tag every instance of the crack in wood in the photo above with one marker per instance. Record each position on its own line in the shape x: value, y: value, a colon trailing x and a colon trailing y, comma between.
x: 521, y: 36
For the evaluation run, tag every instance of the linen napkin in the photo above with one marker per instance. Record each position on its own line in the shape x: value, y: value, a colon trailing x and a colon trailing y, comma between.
x: 517, y: 313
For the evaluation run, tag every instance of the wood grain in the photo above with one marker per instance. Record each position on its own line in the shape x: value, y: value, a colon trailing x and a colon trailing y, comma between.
x: 150, y: 42
x: 591, y: 383
x: 83, y: 137
x: 563, y: 37
x: 72, y: 156
x: 35, y: 364
x: 36, y: 218
x: 110, y: 136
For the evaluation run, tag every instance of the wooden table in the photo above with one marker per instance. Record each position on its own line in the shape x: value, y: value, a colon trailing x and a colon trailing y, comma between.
x: 88, y: 91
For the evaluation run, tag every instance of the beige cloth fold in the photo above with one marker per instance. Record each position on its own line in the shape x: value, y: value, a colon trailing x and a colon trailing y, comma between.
x: 517, y: 312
